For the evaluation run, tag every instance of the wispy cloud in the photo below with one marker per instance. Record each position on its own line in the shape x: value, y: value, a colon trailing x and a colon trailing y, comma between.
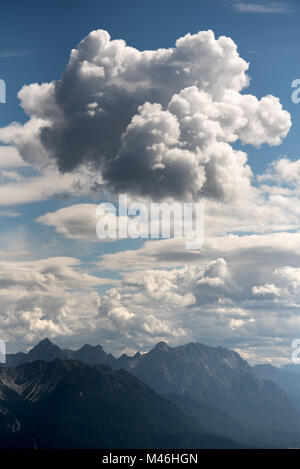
x: 8, y: 54
x: 252, y: 52
x: 262, y: 7
x: 9, y: 214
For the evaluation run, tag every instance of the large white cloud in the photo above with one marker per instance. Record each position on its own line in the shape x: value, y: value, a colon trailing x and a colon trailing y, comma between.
x: 283, y: 171
x: 154, y: 123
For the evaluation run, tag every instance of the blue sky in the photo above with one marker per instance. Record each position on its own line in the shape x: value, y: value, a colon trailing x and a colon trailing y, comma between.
x: 36, y: 40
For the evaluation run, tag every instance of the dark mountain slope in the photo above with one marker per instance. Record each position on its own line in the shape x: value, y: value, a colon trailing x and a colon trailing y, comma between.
x: 214, y: 385
x: 66, y: 404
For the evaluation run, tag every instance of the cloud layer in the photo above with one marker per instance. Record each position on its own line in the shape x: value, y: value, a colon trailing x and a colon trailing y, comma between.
x: 154, y: 124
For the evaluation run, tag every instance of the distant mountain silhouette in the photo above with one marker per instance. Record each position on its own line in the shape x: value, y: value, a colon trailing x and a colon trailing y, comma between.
x: 218, y: 387
x: 213, y: 385
x: 47, y: 351
x: 287, y: 377
x: 67, y: 404
x: 293, y: 368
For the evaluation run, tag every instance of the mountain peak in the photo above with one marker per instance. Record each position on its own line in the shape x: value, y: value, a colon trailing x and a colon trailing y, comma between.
x: 92, y: 347
x: 44, y: 344
x: 45, y: 341
x: 162, y: 347
x: 93, y: 355
x: 45, y: 350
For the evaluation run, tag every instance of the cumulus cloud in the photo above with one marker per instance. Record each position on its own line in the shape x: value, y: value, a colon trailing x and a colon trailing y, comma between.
x: 283, y: 171
x: 58, y: 298
x: 228, y: 300
x: 47, y: 297
x: 139, y: 326
x: 267, y: 289
x: 179, y: 287
x: 152, y: 123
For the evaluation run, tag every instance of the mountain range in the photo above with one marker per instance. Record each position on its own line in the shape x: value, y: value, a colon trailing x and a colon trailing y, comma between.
x: 68, y: 404
x: 188, y: 396
x: 218, y: 387
x: 47, y: 351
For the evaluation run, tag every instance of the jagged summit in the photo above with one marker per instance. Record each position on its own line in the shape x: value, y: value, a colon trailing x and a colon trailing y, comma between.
x: 91, y: 347
x: 45, y: 350
x: 45, y: 342
x: 43, y: 345
x: 161, y: 347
